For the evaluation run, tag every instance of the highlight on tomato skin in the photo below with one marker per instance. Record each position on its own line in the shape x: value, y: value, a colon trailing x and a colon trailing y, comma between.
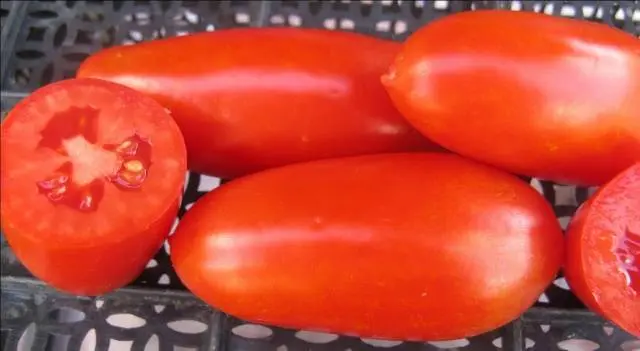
x: 447, y: 248
x: 536, y: 95
x: 602, y: 263
x: 92, y: 174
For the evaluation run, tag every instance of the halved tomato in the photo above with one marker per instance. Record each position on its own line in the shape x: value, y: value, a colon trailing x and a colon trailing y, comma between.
x: 92, y: 174
x: 603, y: 251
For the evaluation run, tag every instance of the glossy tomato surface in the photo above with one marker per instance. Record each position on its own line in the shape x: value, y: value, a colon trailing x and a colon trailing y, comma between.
x: 374, y: 246
x: 250, y: 99
x: 92, y: 173
x: 537, y: 95
x: 603, y: 251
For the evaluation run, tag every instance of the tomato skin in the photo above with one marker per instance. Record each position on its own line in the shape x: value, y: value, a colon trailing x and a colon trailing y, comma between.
x: 591, y: 265
x: 270, y: 97
x: 533, y: 94
x: 91, y: 270
x: 373, y: 246
x: 89, y: 252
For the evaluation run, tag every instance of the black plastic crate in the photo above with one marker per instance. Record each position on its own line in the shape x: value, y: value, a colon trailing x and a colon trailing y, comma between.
x: 44, y: 41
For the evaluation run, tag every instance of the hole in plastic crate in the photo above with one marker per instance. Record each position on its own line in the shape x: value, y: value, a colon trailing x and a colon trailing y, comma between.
x: 119, y: 345
x: 47, y: 74
x: 182, y: 348
x: 153, y: 344
x: 294, y: 20
x: 29, y: 54
x: 383, y: 26
x: 252, y: 331
x: 152, y: 263
x: 159, y: 308
x: 631, y: 345
x: 316, y: 337
x: 57, y: 342
x: 381, y: 343
x: 545, y: 328
x: 441, y: 5
x: 26, y: 339
x: 67, y: 315
x: 516, y: 6
x: 36, y: 34
x: 497, y: 342
x: 99, y: 303
x: 608, y: 331
x: 43, y: 14
x: 208, y: 183
x: 330, y: 23
x: 568, y: 11
x: 578, y: 345
x: 126, y: 321
x: 277, y: 19
x: 89, y: 341
x: 346, y: 23
x: 60, y: 35
x: 164, y: 279
x: 186, y: 326
x: 242, y: 18
x: 400, y: 27
x: 450, y: 344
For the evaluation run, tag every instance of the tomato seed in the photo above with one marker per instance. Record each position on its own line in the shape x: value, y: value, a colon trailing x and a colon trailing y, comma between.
x: 628, y: 254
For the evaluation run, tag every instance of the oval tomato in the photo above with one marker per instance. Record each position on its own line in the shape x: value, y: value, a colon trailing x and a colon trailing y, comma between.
x: 533, y: 94
x: 603, y: 251
x: 92, y: 173
x: 251, y: 99
x: 373, y: 245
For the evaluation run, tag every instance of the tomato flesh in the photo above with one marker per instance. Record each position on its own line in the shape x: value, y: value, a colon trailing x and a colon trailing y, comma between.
x: 603, y: 252
x: 92, y: 173
x: 395, y: 246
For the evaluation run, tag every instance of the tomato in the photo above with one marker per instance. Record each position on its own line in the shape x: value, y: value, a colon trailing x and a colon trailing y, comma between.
x: 374, y: 246
x: 251, y: 99
x: 536, y: 95
x: 603, y: 251
x: 92, y: 174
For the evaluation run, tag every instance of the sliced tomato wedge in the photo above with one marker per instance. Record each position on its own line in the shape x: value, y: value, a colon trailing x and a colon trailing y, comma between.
x: 603, y: 251
x: 92, y: 174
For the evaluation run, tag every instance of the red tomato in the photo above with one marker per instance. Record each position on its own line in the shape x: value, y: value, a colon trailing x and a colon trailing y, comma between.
x: 251, y: 99
x: 603, y: 251
x: 533, y: 94
x: 92, y: 173
x: 372, y: 245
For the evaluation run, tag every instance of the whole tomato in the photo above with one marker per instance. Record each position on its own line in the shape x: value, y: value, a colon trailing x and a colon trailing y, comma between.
x: 250, y: 99
x: 396, y: 246
x: 533, y: 94
x: 603, y: 251
x: 92, y: 175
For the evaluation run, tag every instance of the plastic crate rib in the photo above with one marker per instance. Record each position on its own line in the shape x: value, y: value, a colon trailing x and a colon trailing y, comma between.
x: 45, y: 41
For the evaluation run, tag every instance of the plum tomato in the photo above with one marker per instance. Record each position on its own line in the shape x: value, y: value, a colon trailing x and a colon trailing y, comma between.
x: 417, y: 246
x: 536, y: 95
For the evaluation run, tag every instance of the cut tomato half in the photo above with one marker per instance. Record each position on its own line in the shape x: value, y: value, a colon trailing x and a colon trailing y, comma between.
x: 603, y: 251
x: 92, y: 174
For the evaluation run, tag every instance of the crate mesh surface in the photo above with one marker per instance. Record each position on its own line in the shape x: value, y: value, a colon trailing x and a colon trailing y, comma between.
x: 45, y: 41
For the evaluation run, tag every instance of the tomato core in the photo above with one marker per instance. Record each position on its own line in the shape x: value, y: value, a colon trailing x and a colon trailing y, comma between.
x: 627, y: 251
x: 79, y: 183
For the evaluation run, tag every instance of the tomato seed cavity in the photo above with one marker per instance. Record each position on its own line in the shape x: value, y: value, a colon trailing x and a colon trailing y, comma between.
x: 133, y: 157
x: 628, y: 254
